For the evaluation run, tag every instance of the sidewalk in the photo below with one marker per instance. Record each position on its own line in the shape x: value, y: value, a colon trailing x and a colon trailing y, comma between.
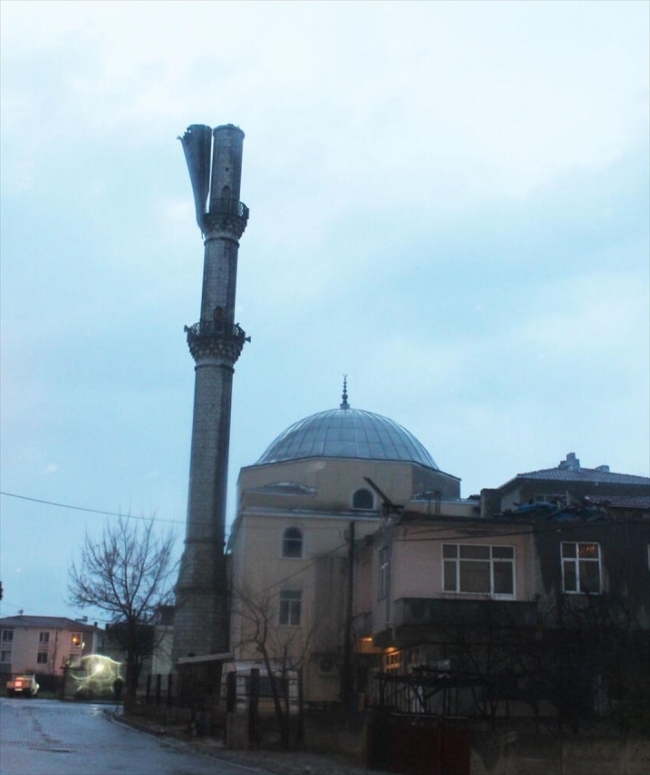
x: 281, y: 762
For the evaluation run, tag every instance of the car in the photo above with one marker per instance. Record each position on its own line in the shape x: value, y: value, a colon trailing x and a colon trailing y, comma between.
x: 22, y: 686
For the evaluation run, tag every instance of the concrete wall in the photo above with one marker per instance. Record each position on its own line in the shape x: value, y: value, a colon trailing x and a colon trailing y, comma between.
x: 527, y: 753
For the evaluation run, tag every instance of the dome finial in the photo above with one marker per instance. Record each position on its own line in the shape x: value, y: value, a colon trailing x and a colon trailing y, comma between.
x: 344, y: 403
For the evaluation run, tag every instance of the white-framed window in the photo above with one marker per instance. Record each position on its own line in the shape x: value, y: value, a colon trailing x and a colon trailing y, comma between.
x: 44, y: 637
x: 392, y: 662
x: 41, y: 658
x: 76, y: 640
x: 5, y: 656
x: 363, y: 499
x: 292, y: 543
x: 581, y: 568
x: 290, y: 607
x: 476, y: 569
x: 384, y: 569
x: 7, y: 636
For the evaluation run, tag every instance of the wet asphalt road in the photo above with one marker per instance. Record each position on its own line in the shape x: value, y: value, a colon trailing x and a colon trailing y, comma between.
x: 46, y: 737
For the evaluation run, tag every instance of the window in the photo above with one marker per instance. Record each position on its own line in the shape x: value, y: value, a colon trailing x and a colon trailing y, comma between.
x: 7, y: 636
x: 479, y: 570
x: 75, y: 640
x: 292, y: 543
x: 363, y: 499
x: 392, y: 661
x: 5, y: 656
x: 290, y: 607
x: 581, y: 567
x: 383, y: 572
x: 43, y: 637
x: 41, y: 658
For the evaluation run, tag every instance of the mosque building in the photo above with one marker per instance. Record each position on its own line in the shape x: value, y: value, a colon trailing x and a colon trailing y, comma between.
x: 326, y: 483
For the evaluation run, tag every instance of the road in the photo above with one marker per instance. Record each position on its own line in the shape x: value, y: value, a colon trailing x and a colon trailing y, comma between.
x: 47, y: 737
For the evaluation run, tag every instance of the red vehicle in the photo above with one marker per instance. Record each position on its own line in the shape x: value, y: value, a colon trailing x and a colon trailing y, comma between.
x: 22, y: 686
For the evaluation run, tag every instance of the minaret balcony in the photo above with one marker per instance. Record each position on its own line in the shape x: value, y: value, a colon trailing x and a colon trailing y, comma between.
x: 216, y: 329
x: 228, y: 206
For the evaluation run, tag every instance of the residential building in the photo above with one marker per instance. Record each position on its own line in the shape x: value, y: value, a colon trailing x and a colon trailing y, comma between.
x: 542, y: 601
x: 44, y: 644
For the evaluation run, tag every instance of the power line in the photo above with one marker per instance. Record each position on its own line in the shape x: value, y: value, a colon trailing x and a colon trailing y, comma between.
x: 90, y: 511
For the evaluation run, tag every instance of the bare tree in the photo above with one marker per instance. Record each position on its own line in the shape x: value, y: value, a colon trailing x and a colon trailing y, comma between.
x: 283, y: 651
x: 129, y: 573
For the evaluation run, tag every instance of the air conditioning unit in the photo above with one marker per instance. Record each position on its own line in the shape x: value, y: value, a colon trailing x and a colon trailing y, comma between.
x: 328, y: 666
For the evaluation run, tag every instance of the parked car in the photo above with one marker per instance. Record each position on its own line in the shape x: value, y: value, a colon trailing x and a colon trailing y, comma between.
x: 22, y: 686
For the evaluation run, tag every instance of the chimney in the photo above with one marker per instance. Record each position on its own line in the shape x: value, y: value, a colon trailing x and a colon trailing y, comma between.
x: 571, y: 463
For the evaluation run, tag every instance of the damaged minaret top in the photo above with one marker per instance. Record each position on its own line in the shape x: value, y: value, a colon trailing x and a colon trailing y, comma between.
x: 214, y: 161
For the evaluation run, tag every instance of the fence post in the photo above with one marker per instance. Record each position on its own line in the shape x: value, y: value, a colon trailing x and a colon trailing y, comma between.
x: 253, y: 709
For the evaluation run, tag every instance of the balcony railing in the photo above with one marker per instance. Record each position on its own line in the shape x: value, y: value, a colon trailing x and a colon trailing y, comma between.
x: 470, y: 612
x: 228, y: 206
x: 218, y: 329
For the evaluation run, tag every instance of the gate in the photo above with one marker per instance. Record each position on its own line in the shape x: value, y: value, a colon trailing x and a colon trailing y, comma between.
x: 412, y: 742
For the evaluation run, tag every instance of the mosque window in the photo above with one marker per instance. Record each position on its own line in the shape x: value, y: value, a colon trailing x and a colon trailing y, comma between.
x: 292, y: 543
x: 290, y: 607
x: 363, y: 499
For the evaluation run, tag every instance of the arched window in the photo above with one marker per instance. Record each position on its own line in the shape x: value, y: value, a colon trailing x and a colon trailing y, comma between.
x: 292, y: 542
x: 363, y: 499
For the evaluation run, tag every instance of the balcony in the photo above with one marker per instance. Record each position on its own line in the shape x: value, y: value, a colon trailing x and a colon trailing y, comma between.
x: 216, y: 329
x: 228, y: 206
x: 418, y: 612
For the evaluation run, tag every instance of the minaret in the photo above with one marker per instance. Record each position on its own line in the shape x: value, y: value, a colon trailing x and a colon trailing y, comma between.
x: 214, y: 160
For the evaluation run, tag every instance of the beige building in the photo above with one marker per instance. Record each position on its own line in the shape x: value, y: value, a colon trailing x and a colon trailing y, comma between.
x: 329, y: 480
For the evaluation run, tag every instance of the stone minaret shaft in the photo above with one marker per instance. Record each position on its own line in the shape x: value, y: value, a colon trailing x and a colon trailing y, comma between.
x: 214, y: 159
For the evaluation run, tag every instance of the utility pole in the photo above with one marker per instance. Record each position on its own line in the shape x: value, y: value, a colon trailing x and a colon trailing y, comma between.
x: 347, y: 682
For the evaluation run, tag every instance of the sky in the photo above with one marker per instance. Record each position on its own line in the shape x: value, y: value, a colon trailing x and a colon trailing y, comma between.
x: 449, y: 203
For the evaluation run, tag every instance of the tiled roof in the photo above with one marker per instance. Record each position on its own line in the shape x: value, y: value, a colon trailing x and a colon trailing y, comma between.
x: 46, y: 623
x: 620, y: 501
x: 589, y: 475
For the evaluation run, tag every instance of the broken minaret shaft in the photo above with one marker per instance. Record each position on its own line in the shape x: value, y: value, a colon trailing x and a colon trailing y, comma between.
x: 214, y: 159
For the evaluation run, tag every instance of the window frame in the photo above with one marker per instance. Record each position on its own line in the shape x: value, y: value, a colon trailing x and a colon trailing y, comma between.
x: 285, y: 540
x: 576, y: 561
x: 7, y: 636
x: 492, y: 560
x: 364, y: 491
x: 42, y: 658
x: 44, y: 637
x: 290, y: 612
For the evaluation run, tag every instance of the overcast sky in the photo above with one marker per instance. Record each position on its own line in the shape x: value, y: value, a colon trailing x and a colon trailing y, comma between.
x: 449, y: 203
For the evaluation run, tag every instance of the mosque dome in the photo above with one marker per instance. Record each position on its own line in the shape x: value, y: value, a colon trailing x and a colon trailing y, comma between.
x: 347, y: 433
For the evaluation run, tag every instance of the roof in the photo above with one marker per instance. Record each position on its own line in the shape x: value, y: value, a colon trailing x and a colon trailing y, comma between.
x: 46, y: 623
x: 570, y: 470
x: 347, y: 433
x: 635, y: 502
x: 593, y: 475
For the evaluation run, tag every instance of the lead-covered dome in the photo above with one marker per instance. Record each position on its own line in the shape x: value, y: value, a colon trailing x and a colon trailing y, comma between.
x: 347, y: 433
